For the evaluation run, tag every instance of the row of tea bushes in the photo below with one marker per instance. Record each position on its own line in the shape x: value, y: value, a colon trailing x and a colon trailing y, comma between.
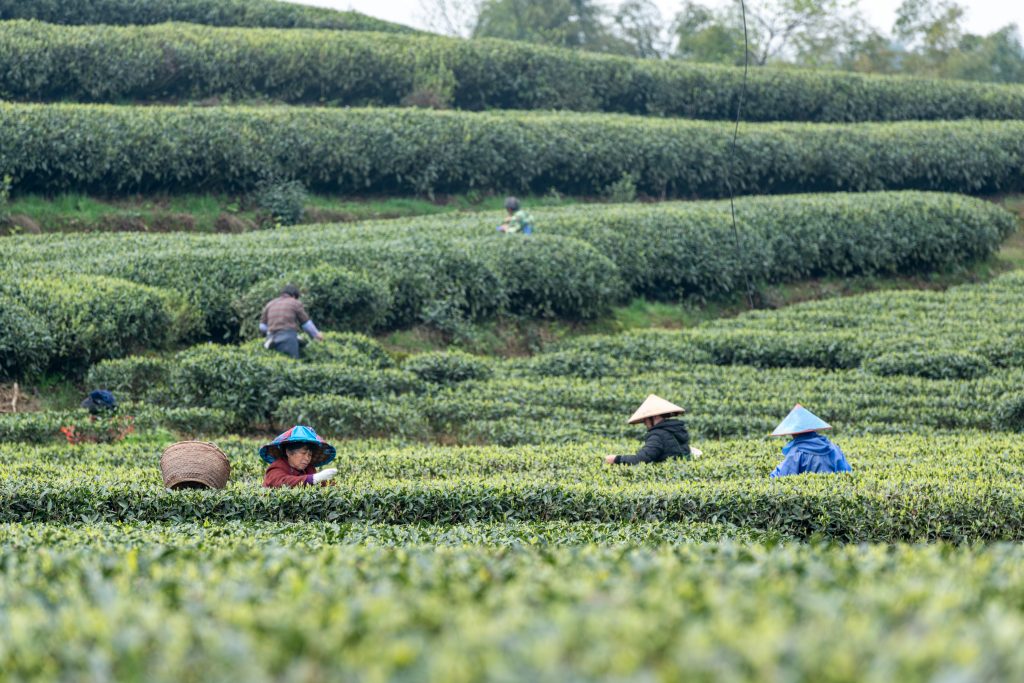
x: 909, y: 488
x: 118, y: 150
x: 696, y: 612
x: 255, y: 13
x: 68, y: 322
x: 109, y: 64
x: 388, y: 274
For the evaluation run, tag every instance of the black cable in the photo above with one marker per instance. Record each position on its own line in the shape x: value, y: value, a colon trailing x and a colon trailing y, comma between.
x: 732, y: 158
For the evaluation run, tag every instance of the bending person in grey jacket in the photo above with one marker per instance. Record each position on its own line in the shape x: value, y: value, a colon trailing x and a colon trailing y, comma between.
x: 666, y: 438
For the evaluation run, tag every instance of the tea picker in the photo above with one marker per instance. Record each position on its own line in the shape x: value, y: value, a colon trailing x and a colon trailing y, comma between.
x: 281, y: 319
x: 808, y: 451
x: 518, y: 219
x: 294, y: 457
x: 666, y: 437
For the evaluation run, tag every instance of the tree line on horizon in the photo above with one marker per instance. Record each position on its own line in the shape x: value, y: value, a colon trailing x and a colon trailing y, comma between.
x: 928, y: 37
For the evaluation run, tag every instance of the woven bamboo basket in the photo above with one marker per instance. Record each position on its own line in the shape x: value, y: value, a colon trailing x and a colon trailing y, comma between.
x: 194, y: 465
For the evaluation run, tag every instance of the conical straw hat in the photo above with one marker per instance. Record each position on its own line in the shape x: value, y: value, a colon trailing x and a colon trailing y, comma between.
x: 652, y: 407
x: 800, y: 421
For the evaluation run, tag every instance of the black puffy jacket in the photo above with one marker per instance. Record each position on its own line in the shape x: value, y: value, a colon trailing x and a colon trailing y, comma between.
x: 667, y: 439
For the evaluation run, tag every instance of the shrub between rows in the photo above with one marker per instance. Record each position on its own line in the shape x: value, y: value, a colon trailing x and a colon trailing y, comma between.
x: 269, y: 13
x: 102, y: 63
x: 131, y: 149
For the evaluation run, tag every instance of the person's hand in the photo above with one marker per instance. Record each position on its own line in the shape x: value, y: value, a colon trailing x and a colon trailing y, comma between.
x: 324, y: 475
x: 696, y: 452
x: 319, y: 336
x: 610, y: 459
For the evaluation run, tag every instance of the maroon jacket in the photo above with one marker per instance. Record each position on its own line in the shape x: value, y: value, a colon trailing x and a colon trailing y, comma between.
x: 282, y: 474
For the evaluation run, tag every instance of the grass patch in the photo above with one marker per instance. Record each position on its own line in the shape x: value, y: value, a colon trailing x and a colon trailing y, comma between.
x: 73, y: 212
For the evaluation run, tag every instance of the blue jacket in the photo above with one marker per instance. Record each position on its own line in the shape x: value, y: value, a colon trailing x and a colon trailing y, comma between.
x: 811, y: 452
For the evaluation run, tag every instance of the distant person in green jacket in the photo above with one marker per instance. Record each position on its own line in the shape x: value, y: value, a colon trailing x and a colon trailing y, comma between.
x: 666, y: 437
x: 518, y: 219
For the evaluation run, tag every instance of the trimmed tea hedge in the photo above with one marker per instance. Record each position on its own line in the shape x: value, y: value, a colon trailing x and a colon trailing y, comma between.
x: 130, y: 149
x: 588, y: 258
x: 930, y: 496
x: 143, y: 603
x: 107, y: 64
x: 266, y: 13
x: 75, y: 320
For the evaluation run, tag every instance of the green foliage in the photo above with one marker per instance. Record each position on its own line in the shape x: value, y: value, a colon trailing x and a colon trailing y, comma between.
x: 45, y: 427
x: 952, y: 365
x: 6, y: 182
x: 118, y: 150
x: 251, y: 384
x: 336, y: 298
x: 283, y: 200
x: 482, y: 600
x: 90, y: 318
x: 448, y: 367
x: 1009, y: 412
x: 556, y: 277
x: 965, y: 496
x: 268, y: 13
x: 623, y: 190
x: 26, y: 346
x: 133, y: 377
x: 110, y: 64
x: 452, y: 270
x: 345, y: 417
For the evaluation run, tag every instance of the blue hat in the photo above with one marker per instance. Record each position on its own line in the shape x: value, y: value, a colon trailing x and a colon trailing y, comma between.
x: 800, y: 421
x: 323, y: 451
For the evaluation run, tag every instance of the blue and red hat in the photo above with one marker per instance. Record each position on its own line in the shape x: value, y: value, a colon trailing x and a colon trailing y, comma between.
x: 800, y: 421
x: 323, y: 452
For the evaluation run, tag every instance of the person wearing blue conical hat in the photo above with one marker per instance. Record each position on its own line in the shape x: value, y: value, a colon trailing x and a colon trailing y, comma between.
x: 808, y: 451
x: 294, y: 456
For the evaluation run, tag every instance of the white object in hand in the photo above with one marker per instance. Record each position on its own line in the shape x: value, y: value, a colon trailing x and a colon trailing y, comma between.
x: 324, y: 475
x: 696, y: 452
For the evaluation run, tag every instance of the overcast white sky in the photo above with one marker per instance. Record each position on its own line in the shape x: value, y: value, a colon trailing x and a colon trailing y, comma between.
x: 983, y: 16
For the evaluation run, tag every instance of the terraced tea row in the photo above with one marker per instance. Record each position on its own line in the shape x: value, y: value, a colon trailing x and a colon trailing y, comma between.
x: 268, y: 13
x: 108, y: 64
x: 125, y: 150
x: 160, y: 290
x: 966, y: 488
x: 463, y: 614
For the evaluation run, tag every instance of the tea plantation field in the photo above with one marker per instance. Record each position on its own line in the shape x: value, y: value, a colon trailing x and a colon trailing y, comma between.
x: 473, y: 531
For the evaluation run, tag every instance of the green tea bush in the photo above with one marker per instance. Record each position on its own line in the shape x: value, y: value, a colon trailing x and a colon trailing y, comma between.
x: 1009, y: 412
x: 252, y: 385
x: 133, y: 377
x: 345, y: 417
x: 455, y: 270
x: 582, y: 364
x: 448, y: 367
x: 340, y: 299
x: 556, y: 277
x: 118, y: 150
x: 26, y: 346
x: 103, y: 63
x: 930, y: 364
x: 269, y: 13
x: 91, y: 318
x: 781, y: 349
x: 282, y: 200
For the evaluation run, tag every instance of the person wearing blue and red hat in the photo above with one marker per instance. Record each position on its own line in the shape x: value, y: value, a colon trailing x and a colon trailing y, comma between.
x: 808, y: 451
x: 294, y: 457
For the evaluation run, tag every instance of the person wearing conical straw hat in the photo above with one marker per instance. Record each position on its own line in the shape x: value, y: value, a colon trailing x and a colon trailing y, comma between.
x: 808, y: 451
x: 665, y: 438
x: 294, y: 456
